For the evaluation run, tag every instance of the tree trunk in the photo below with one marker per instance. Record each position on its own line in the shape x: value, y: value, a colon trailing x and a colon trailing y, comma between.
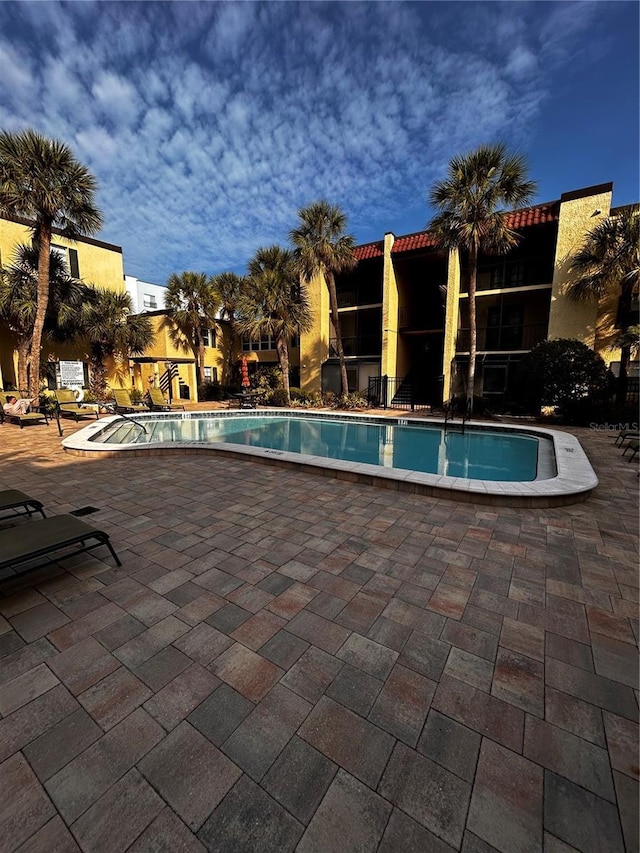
x: 44, y: 247
x: 230, y: 351
x: 23, y: 363
x: 622, y: 321
x: 335, y: 318
x: 98, y: 374
x: 473, y: 330
x: 283, y: 357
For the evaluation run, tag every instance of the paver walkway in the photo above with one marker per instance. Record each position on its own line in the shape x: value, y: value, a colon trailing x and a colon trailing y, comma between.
x: 287, y: 662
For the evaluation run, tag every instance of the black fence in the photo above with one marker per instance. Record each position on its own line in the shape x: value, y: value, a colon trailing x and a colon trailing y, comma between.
x: 395, y: 392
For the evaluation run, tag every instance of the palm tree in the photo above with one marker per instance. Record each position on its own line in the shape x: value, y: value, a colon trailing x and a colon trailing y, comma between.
x: 274, y: 302
x: 112, y: 330
x: 19, y: 302
x: 41, y: 180
x: 470, y: 218
x: 228, y: 287
x: 609, y: 259
x: 192, y: 304
x: 322, y: 247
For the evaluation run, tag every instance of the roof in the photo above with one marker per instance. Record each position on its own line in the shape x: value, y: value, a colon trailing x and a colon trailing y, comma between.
x: 369, y: 250
x: 539, y: 214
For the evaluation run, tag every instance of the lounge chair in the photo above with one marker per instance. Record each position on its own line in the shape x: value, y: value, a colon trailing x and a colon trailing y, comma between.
x: 28, y: 418
x: 633, y: 446
x: 157, y: 402
x: 20, y: 503
x: 22, y: 544
x: 124, y: 404
x: 626, y: 435
x: 69, y: 407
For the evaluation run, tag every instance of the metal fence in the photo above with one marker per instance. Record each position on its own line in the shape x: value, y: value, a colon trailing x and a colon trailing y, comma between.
x: 395, y: 392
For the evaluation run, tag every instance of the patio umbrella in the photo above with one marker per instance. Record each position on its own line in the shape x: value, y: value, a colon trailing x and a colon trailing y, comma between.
x: 245, y: 372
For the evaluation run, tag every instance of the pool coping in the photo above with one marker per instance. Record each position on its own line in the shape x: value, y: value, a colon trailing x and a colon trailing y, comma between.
x: 573, y: 482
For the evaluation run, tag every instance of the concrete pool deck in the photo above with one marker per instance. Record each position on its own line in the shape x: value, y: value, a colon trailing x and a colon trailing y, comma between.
x: 289, y: 662
x: 565, y: 474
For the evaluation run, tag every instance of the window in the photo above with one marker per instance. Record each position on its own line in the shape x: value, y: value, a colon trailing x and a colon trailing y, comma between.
x: 210, y: 374
x: 266, y: 342
x: 149, y: 301
x: 209, y: 337
x: 295, y: 341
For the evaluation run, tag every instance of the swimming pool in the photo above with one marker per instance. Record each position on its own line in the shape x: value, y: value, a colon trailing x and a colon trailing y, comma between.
x: 499, y: 464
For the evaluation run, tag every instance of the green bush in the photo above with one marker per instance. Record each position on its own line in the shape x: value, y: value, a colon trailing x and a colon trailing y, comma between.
x: 136, y: 396
x: 353, y: 400
x: 562, y: 373
x: 210, y: 391
x: 278, y: 397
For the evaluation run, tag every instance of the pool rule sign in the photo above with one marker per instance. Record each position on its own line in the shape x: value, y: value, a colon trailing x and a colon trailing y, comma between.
x: 71, y: 374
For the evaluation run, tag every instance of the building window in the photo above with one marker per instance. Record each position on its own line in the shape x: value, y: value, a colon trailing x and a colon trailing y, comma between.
x: 149, y: 301
x: 295, y: 341
x: 266, y: 342
x: 70, y: 258
x: 210, y: 374
x: 209, y: 337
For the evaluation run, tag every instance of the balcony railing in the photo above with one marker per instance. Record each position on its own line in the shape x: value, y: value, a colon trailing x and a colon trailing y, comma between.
x: 362, y: 345
x: 503, y: 338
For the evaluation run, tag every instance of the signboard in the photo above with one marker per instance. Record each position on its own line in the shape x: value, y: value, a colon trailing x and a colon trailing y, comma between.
x: 70, y: 374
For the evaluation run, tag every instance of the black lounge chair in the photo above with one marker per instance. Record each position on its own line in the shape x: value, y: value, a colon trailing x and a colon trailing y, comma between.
x: 25, y: 543
x: 157, y: 402
x: 20, y: 503
x: 67, y: 406
x: 626, y: 435
x: 633, y: 446
x: 28, y: 418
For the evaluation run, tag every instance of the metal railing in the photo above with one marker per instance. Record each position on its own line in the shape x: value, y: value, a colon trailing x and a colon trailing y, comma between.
x: 395, y: 392
x: 503, y: 338
x: 361, y: 345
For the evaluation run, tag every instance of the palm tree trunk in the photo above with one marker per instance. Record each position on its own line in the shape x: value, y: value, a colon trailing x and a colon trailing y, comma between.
x: 98, y: 374
x: 624, y: 312
x: 283, y: 357
x: 473, y: 330
x: 335, y: 318
x: 230, y: 351
x: 23, y: 363
x: 44, y: 247
x: 201, y: 360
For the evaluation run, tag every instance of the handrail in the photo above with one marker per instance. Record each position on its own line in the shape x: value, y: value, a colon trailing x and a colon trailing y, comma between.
x: 112, y: 407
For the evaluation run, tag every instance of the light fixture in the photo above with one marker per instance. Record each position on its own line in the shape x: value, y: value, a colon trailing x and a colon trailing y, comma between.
x: 596, y: 212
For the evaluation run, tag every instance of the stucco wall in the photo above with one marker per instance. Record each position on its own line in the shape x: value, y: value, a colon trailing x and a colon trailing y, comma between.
x: 389, y: 359
x: 568, y: 318
x: 314, y: 345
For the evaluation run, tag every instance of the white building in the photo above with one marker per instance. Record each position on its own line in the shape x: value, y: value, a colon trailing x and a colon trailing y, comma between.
x: 145, y: 296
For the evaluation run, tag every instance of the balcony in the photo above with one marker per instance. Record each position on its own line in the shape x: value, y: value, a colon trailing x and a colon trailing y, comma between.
x: 503, y: 338
x: 366, y: 345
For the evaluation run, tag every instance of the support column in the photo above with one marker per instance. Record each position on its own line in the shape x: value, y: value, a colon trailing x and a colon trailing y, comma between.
x: 389, y: 360
x: 451, y: 321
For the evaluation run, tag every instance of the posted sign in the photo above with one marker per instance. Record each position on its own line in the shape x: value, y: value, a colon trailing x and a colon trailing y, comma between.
x: 71, y: 374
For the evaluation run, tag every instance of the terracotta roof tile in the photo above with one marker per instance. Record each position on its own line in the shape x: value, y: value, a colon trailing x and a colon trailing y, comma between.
x: 413, y: 241
x: 539, y: 214
x: 369, y: 250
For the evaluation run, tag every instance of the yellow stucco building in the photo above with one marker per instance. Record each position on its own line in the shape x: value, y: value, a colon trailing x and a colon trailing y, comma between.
x: 404, y: 309
x: 403, y: 313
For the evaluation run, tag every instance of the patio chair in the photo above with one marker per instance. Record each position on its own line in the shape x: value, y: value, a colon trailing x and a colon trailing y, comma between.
x: 626, y: 435
x: 124, y: 404
x: 47, y: 536
x: 69, y: 407
x: 28, y: 418
x: 633, y: 446
x: 20, y: 503
x: 157, y: 403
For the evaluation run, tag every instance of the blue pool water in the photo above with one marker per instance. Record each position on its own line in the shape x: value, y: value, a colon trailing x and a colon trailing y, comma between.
x: 476, y: 454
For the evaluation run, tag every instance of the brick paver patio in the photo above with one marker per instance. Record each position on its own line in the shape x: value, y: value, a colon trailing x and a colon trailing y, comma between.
x: 287, y: 662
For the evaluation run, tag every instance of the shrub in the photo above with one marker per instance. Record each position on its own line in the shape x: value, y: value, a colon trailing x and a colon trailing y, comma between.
x: 278, y: 397
x: 210, y: 391
x: 560, y: 373
x: 136, y: 395
x: 353, y: 400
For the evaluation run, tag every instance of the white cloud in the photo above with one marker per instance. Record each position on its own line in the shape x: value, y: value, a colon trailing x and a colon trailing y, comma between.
x: 209, y: 124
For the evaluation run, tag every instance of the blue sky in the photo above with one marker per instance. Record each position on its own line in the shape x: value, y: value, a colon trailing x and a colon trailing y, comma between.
x: 208, y: 125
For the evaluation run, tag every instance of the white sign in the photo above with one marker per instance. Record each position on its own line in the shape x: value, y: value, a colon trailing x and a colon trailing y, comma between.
x: 71, y: 374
